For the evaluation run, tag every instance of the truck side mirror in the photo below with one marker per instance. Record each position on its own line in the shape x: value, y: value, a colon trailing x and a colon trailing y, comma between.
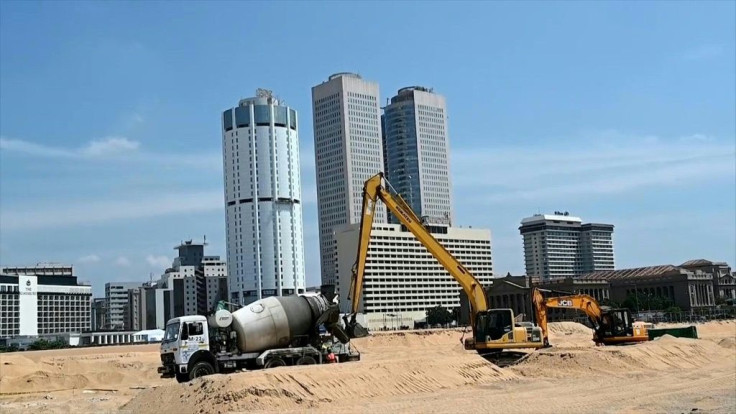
x: 184, y: 331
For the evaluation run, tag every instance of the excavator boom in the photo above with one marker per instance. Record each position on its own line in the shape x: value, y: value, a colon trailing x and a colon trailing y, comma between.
x: 373, y: 190
x: 493, y: 329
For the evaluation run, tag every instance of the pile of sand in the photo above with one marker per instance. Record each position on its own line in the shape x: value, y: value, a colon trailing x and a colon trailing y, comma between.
x: 665, y: 353
x: 392, y: 365
x: 45, y: 371
x: 413, y: 371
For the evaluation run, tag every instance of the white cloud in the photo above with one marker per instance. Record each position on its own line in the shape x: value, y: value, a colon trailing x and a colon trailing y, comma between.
x: 120, y: 149
x: 109, y: 146
x: 18, y: 145
x: 122, y: 261
x: 608, y: 163
x: 91, y: 258
x: 100, y: 148
x: 158, y: 262
x: 95, y: 211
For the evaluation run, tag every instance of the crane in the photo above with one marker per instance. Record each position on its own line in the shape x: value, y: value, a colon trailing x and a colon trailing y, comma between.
x: 610, y: 326
x: 493, y: 329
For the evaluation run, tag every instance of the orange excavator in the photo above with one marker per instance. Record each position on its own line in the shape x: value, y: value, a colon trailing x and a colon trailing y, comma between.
x: 610, y: 326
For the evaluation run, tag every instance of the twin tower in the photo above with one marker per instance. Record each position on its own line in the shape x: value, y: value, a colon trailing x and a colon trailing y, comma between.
x: 353, y: 140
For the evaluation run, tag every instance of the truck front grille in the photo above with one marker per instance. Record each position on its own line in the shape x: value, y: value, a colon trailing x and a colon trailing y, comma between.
x: 167, y: 358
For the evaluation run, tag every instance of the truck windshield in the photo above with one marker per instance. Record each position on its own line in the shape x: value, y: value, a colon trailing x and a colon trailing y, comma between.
x: 172, y: 332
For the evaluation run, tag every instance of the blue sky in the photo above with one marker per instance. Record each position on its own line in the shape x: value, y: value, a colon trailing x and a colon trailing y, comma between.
x: 620, y: 113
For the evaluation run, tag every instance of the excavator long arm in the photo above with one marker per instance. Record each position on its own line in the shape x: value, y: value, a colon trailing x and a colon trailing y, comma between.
x: 375, y: 188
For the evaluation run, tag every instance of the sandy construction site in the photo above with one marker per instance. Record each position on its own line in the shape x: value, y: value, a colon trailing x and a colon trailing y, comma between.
x: 416, y: 371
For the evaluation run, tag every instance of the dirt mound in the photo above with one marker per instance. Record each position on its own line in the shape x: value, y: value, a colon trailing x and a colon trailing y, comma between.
x: 420, y: 367
x: 728, y: 343
x: 35, y: 372
x: 569, y: 328
x: 665, y: 353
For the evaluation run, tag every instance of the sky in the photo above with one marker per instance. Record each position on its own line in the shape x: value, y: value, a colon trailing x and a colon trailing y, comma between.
x: 621, y: 113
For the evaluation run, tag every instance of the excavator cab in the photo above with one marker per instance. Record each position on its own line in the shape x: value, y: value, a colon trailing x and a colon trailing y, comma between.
x: 497, y: 329
x: 493, y: 324
x: 617, y: 326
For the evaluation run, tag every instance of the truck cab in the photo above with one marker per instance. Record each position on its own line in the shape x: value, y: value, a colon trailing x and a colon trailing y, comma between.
x: 186, y: 339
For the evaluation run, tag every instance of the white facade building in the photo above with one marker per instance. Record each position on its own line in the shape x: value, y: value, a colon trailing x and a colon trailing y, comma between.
x: 416, y: 152
x: 116, y: 296
x: 402, y: 279
x: 265, y: 244
x: 558, y: 245
x: 44, y: 299
x: 348, y: 151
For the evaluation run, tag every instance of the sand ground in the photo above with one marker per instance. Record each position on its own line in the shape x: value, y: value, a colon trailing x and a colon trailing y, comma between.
x: 416, y: 371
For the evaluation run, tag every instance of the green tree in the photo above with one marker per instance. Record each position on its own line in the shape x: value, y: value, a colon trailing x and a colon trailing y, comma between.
x: 438, y: 315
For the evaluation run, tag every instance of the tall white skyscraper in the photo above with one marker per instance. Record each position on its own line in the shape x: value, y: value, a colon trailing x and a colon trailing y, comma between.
x: 265, y: 242
x: 348, y: 151
x: 416, y: 152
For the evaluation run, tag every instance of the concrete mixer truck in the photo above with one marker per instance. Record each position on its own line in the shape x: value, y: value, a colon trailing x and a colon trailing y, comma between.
x: 268, y: 333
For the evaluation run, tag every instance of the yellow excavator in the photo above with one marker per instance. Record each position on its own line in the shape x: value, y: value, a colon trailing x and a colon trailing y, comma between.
x: 610, y: 326
x: 493, y: 329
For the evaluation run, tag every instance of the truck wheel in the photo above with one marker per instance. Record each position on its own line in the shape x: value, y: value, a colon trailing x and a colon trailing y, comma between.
x: 306, y: 360
x: 274, y: 362
x: 200, y: 369
x: 180, y: 378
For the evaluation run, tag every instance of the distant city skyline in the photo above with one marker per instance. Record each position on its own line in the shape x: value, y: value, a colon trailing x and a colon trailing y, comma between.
x: 110, y: 151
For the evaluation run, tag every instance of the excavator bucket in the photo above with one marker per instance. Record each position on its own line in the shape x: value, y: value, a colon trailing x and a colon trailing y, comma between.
x: 353, y: 328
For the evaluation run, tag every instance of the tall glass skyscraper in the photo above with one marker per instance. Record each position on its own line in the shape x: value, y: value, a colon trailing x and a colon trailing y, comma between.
x: 347, y: 147
x: 416, y: 152
x: 265, y: 242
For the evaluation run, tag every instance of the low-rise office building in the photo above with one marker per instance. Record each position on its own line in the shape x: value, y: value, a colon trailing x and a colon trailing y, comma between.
x: 43, y: 299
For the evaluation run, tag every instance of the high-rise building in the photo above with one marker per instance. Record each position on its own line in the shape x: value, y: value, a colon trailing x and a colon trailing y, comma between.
x: 559, y: 245
x: 348, y: 151
x: 416, y: 152
x: 43, y: 299
x: 116, y: 296
x: 402, y: 279
x: 265, y: 243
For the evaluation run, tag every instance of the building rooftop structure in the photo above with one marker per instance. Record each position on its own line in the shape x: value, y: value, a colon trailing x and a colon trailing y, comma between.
x: 701, y: 262
x: 346, y: 74
x: 558, y: 216
x: 637, y: 273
